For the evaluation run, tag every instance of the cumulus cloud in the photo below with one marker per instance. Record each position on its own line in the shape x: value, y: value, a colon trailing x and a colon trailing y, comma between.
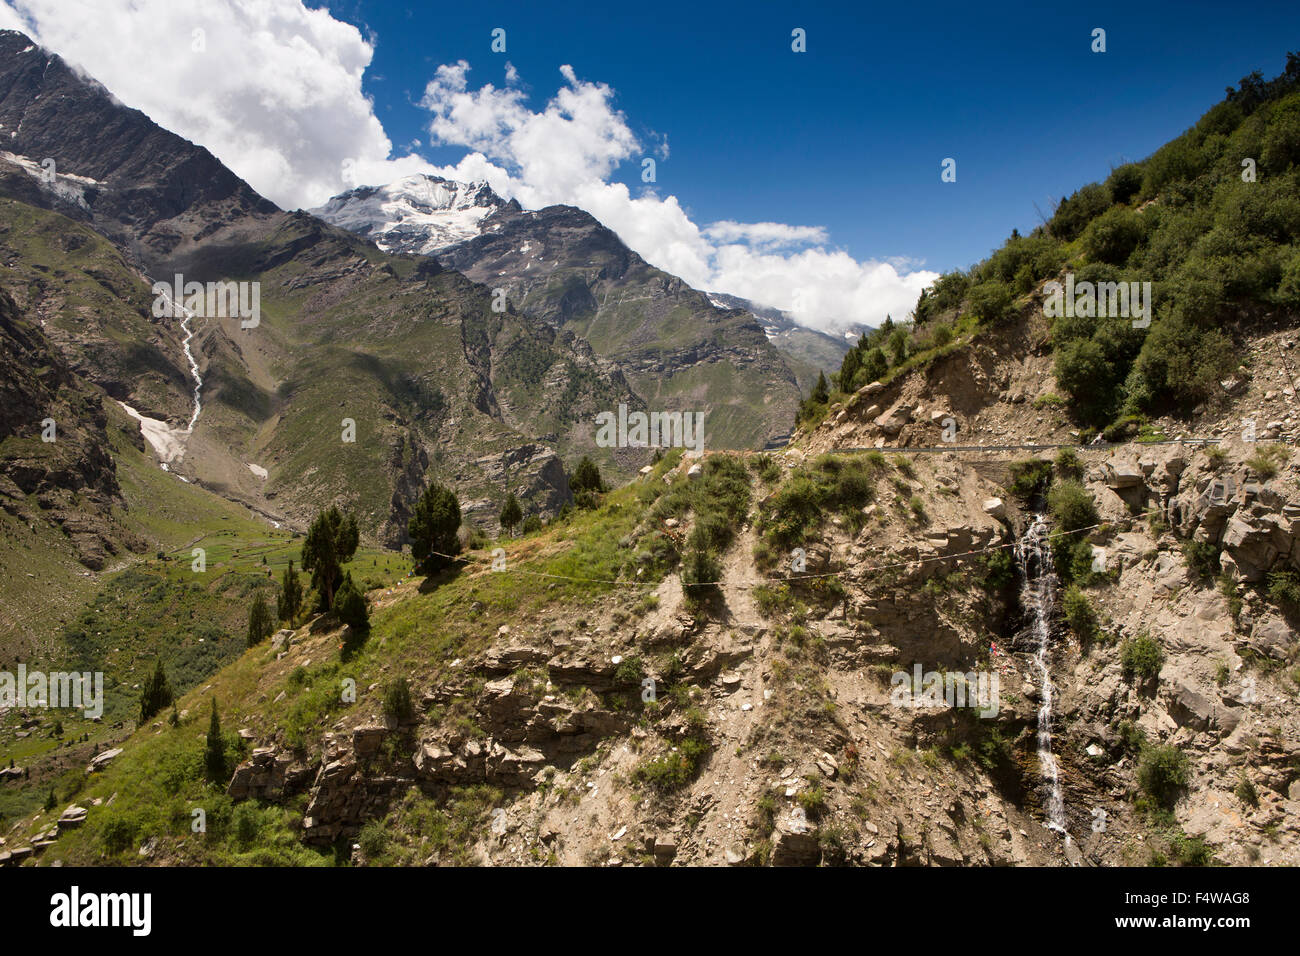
x: 567, y: 153
x: 274, y: 91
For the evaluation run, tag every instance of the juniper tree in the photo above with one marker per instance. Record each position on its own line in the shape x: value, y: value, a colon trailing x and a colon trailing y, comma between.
x: 586, y: 483
x: 350, y: 605
x: 511, y: 515
x: 331, y: 542
x: 156, y: 693
x: 289, y: 602
x: 260, y: 624
x: 433, y: 527
x: 214, y: 754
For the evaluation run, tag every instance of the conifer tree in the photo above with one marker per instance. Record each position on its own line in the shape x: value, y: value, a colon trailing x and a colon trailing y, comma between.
x: 260, y: 625
x: 511, y: 515
x: 156, y: 693
x: 289, y: 602
x: 214, y: 755
x: 331, y: 542
x: 433, y: 528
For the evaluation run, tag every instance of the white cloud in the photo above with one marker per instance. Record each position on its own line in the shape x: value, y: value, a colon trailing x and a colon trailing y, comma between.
x: 567, y: 152
x: 769, y: 235
x: 276, y: 95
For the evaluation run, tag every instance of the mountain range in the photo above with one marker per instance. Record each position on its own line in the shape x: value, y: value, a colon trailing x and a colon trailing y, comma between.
x: 1010, y: 587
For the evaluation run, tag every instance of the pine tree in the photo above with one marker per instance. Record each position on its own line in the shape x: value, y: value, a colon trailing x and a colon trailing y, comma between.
x: 214, y: 755
x: 821, y: 391
x: 156, y: 693
x: 260, y: 625
x: 433, y: 527
x: 331, y: 542
x: 289, y: 602
x: 849, y: 369
x: 511, y: 515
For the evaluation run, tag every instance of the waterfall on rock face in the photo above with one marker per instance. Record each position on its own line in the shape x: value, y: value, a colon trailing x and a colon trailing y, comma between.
x: 194, y: 368
x: 1037, y: 596
x: 188, y: 317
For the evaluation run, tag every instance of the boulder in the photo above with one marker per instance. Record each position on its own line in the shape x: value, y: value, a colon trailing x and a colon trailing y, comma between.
x: 102, y: 760
x: 1255, y: 544
x: 892, y: 422
x: 1189, y: 708
x: 995, y: 508
x: 366, y: 739
x: 72, y: 817
x: 1271, y: 636
x: 1121, y: 474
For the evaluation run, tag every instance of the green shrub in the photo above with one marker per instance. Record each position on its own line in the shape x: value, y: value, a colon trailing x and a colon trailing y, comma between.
x: 1073, y: 214
x: 1079, y: 613
x: 1192, y: 851
x: 1180, y: 363
x: 831, y: 484
x: 1163, y: 773
x: 1112, y: 236
x: 700, y: 573
x: 675, y: 769
x: 1141, y: 658
x: 117, y: 833
x: 245, y: 825
x: 1125, y: 182
x: 1202, y: 557
x: 946, y: 294
x: 1068, y: 465
x: 1284, y: 590
x: 813, y: 800
x: 1030, y: 478
x: 373, y: 839
x: 990, y: 302
x: 1071, y: 506
x: 1266, y: 460
x: 1091, y: 377
x: 1246, y: 791
x: 397, y: 700
x: 767, y: 469
x: 997, y: 569
x: 1132, y: 737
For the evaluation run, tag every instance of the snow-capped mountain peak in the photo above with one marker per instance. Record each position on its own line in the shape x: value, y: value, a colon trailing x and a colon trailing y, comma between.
x: 418, y: 214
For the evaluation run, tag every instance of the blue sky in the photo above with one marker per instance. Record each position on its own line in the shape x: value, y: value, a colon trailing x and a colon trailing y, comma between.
x: 850, y: 134
x: 807, y: 181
